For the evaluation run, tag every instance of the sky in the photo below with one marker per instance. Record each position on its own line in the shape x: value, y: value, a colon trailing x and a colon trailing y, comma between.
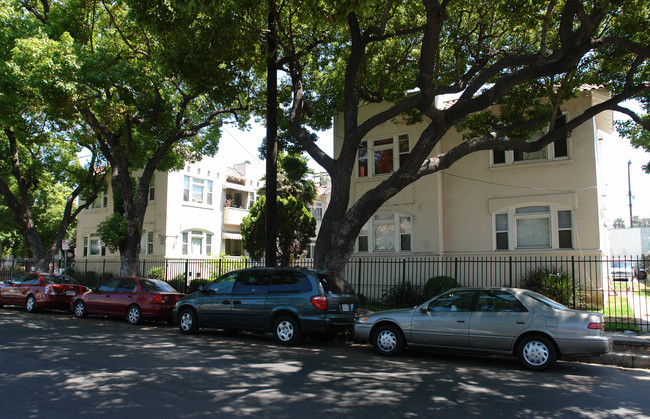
x: 240, y: 146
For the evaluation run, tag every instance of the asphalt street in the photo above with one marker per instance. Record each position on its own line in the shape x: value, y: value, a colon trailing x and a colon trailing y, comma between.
x: 53, y: 365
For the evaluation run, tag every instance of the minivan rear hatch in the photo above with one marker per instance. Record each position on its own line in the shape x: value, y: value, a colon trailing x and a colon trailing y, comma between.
x: 341, y: 298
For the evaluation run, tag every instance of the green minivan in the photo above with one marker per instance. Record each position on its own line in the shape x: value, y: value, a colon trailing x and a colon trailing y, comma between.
x: 289, y: 302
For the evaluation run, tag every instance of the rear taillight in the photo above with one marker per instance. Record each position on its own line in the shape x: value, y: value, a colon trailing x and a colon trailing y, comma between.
x: 49, y: 290
x: 159, y: 299
x: 319, y: 301
x: 596, y: 326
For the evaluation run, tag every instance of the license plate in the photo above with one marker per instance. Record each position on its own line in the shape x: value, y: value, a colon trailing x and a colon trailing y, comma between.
x: 70, y: 292
x: 345, y: 307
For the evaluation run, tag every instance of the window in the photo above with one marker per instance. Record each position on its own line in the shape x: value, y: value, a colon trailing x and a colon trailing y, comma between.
x: 317, y: 211
x: 453, y: 301
x: 93, y: 246
x: 146, y: 243
x: 100, y: 202
x: 152, y: 189
x: 196, y: 243
x: 197, y: 191
x: 252, y: 282
x: 386, y: 233
x: 290, y: 282
x: 533, y: 227
x: 223, y: 285
x: 234, y: 247
x: 498, y: 301
x: 558, y: 150
x: 387, y: 154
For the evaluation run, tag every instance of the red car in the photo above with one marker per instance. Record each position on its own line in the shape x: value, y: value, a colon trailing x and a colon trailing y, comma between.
x: 135, y: 298
x: 34, y: 290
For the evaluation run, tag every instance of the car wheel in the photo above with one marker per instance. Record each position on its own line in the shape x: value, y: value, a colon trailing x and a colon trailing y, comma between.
x: 134, y: 314
x: 536, y: 352
x: 188, y: 324
x: 286, y: 330
x: 80, y: 309
x: 388, y: 340
x: 31, y: 304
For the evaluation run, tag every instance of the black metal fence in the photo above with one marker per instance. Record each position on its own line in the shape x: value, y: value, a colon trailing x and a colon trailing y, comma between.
x: 615, y: 287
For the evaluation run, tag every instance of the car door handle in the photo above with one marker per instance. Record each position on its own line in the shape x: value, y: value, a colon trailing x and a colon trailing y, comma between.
x: 460, y: 321
x: 236, y: 302
x: 521, y: 322
x: 224, y: 302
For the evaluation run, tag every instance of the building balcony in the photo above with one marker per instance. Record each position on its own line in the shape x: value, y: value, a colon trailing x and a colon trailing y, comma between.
x: 234, y: 216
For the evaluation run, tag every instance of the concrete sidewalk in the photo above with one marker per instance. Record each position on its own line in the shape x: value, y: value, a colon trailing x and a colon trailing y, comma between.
x: 631, y: 350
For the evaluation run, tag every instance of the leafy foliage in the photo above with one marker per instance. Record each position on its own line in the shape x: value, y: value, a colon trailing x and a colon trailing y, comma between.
x: 437, y: 285
x: 295, y: 227
x: 405, y: 294
x: 555, y: 284
x: 113, y: 232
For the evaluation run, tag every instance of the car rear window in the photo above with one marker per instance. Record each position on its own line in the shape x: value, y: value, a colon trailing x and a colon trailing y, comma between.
x: 334, y: 284
x: 546, y: 300
x: 57, y: 279
x: 152, y: 285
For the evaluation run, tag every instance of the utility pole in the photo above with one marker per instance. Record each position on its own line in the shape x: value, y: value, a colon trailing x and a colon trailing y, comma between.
x: 629, y: 189
x: 271, y: 140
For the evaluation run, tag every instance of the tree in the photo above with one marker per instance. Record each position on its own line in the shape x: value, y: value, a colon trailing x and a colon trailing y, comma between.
x: 619, y: 223
x: 295, y: 228
x: 512, y: 64
x: 526, y: 58
x: 40, y: 176
x: 143, y: 113
x: 640, y: 222
x: 295, y: 225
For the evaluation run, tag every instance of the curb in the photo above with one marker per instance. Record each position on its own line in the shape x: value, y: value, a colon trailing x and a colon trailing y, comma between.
x: 618, y: 359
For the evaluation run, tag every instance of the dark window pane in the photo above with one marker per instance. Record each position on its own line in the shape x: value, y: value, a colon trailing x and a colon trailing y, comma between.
x: 498, y: 156
x: 383, y: 161
x: 254, y: 282
x: 334, y: 284
x: 502, y: 241
x: 566, y: 242
x: 405, y: 242
x: 363, y: 243
x: 290, y: 282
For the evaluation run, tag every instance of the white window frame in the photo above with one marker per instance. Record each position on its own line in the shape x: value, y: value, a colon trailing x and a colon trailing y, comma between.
x: 197, y: 191
x: 370, y: 237
x: 93, y: 241
x: 190, y: 239
x: 548, y: 152
x: 101, y: 202
x: 554, y: 230
x: 146, y: 243
x: 371, y: 148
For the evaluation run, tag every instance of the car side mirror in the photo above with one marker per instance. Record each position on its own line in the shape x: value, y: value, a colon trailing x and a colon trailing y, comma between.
x: 201, y: 288
x: 424, y: 309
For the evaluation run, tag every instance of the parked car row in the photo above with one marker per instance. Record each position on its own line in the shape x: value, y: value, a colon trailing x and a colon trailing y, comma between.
x: 290, y: 303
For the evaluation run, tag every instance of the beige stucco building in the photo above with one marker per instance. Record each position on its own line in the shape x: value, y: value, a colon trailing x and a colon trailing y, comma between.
x: 489, y: 203
x: 192, y: 214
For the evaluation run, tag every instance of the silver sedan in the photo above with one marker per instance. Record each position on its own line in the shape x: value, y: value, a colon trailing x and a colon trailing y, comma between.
x: 508, y: 321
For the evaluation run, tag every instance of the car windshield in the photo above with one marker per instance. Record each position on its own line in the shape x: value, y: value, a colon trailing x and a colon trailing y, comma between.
x: 154, y: 285
x: 335, y: 284
x: 545, y: 300
x: 59, y: 279
x: 625, y: 265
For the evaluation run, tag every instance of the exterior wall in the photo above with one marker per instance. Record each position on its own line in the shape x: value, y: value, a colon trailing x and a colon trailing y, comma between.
x: 629, y: 242
x: 168, y: 216
x: 454, y: 211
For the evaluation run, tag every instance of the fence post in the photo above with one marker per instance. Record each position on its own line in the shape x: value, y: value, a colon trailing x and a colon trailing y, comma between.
x: 573, y: 278
x: 187, y: 274
x: 510, y: 270
x: 456, y: 268
x: 359, y: 278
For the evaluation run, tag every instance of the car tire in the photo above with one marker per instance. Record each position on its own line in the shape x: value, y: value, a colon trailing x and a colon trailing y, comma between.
x: 388, y: 340
x: 188, y: 324
x: 536, y: 352
x: 134, y: 314
x: 286, y: 330
x: 79, y: 309
x: 30, y: 303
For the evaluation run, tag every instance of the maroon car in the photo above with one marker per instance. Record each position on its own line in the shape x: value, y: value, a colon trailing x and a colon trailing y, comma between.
x: 34, y: 290
x: 135, y: 298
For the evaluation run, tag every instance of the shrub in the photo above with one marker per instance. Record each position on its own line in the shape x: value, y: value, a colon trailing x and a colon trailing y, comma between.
x: 403, y: 295
x: 157, y: 273
x: 556, y: 285
x: 437, y: 285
